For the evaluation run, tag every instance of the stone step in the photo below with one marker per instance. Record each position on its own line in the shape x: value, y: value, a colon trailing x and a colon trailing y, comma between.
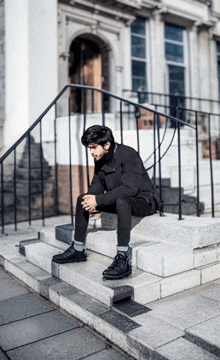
x: 176, y: 269
x: 87, y: 276
x: 150, y: 256
x: 206, y: 335
x: 191, y: 232
x: 128, y: 325
x: 160, y: 256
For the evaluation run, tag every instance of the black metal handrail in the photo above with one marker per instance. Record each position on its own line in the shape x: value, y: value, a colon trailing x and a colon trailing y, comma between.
x: 209, y: 137
x: 166, y: 99
x: 84, y: 92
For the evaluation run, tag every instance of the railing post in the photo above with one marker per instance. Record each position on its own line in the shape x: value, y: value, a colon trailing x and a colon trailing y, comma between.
x: 155, y: 155
x: 103, y: 110
x: 211, y: 169
x: 70, y: 165
x: 42, y: 174
x: 2, y: 189
x: 55, y: 161
x: 197, y: 164
x: 137, y: 116
x: 15, y: 192
x: 159, y: 162
x: 121, y: 122
x: 179, y: 168
x: 84, y: 128
x: 93, y: 107
x: 29, y: 177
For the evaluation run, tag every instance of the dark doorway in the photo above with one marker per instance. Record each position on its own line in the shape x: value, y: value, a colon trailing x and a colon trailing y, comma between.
x: 88, y: 65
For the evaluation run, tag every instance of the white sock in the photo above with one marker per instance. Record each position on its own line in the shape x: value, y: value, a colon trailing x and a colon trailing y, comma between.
x: 79, y: 246
x: 122, y: 249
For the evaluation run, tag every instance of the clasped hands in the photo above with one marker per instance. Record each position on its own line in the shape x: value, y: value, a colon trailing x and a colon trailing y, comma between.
x: 89, y: 202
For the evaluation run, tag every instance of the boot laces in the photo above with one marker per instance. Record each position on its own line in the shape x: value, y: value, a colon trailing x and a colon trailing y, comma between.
x: 118, y: 261
x: 69, y: 250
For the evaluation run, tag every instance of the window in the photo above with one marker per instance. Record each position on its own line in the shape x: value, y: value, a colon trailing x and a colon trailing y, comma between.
x: 218, y: 59
x: 176, y: 80
x: 174, y: 55
x: 138, y: 54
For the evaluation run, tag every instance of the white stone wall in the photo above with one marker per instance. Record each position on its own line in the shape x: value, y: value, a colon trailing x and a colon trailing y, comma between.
x: 2, y: 70
x: 74, y: 22
x: 31, y: 63
x: 38, y: 40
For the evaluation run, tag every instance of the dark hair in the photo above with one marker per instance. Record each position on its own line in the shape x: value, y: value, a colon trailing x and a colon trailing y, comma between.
x: 97, y: 134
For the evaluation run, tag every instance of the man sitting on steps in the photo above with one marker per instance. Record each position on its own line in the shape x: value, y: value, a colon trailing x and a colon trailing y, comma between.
x: 120, y: 185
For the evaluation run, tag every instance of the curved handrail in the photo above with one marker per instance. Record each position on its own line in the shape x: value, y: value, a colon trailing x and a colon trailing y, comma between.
x: 158, y: 144
x: 164, y: 151
x: 86, y: 88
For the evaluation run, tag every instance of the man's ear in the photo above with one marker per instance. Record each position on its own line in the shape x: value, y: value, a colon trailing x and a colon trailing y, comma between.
x: 107, y: 145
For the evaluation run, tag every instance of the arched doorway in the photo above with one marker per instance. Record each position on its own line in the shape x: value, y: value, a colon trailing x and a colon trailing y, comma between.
x: 88, y: 65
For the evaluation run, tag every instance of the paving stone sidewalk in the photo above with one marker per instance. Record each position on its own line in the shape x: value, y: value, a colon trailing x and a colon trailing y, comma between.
x: 32, y: 328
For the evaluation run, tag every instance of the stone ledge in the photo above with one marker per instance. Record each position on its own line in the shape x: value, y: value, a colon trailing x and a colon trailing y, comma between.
x: 192, y: 232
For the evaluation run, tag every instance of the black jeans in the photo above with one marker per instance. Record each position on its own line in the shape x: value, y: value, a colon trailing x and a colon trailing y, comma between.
x: 124, y: 207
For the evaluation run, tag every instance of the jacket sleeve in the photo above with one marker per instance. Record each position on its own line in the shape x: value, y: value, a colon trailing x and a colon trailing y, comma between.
x: 96, y: 186
x: 130, y: 182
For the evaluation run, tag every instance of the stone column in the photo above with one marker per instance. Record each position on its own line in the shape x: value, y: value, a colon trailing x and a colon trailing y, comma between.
x: 204, y: 63
x: 31, y: 63
x: 158, y: 68
x: 2, y: 70
x: 193, y: 65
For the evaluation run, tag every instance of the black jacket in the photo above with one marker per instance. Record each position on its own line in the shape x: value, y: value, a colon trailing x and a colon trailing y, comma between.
x: 121, y: 172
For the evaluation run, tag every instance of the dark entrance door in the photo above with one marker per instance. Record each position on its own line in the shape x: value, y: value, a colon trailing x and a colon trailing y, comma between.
x: 87, y: 66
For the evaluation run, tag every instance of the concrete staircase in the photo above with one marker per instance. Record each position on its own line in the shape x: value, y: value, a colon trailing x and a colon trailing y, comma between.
x: 172, y: 257
x: 189, y: 181
x: 168, y: 256
x: 170, y: 196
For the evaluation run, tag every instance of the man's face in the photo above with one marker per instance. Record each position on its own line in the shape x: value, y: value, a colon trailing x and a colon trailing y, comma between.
x: 97, y: 151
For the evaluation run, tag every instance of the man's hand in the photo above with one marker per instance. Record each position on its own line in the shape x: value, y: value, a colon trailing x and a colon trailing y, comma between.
x: 89, y: 202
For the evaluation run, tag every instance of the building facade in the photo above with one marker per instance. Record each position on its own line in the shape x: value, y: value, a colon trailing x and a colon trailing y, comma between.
x: 165, y: 46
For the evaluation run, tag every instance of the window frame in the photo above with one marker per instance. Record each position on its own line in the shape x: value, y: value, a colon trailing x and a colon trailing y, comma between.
x: 183, y: 64
x: 175, y: 42
x: 139, y: 59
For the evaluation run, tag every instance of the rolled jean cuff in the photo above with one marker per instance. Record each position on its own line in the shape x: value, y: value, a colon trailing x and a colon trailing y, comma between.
x: 79, y: 246
x: 122, y: 248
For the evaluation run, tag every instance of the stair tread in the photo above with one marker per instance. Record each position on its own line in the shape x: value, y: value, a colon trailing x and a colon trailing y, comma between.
x: 183, y: 349
x: 87, y: 276
x: 206, y: 334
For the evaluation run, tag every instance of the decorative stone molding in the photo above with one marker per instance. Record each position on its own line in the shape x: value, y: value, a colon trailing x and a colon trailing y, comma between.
x: 123, y: 10
x: 175, y: 17
x: 92, y: 26
x: 202, y: 25
x: 65, y: 56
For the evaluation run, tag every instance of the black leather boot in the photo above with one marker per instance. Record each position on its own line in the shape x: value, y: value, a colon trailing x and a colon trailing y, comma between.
x: 70, y: 255
x: 119, y: 269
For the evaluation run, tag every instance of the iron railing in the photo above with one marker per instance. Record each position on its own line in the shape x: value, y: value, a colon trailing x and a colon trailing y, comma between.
x: 37, y: 135
x: 174, y: 101
x: 207, y: 125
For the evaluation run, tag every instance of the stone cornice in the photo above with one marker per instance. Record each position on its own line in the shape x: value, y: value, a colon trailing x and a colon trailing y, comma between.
x: 121, y: 9
x: 176, y: 17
